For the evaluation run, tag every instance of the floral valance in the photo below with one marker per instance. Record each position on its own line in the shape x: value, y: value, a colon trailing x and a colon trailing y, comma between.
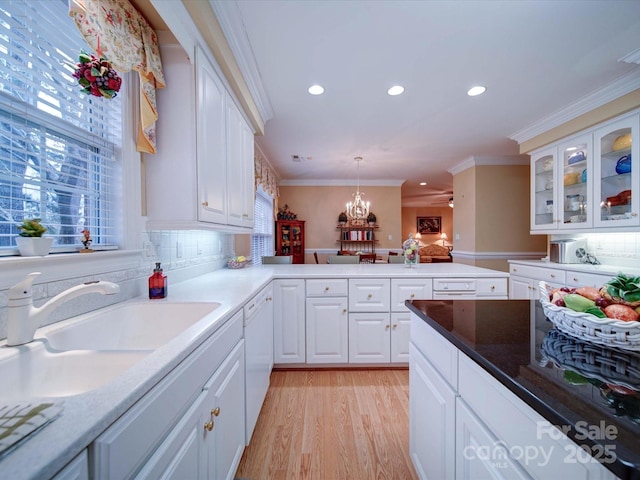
x: 117, y: 31
x: 265, y: 175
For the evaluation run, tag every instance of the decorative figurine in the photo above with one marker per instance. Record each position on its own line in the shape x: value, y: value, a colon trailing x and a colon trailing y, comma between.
x: 86, y: 241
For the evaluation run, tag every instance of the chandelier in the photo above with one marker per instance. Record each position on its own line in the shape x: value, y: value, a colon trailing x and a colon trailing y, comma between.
x: 358, y: 209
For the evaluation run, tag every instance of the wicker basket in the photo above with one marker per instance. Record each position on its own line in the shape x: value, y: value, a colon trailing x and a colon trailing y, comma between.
x: 584, y: 326
x: 591, y: 361
x: 234, y: 264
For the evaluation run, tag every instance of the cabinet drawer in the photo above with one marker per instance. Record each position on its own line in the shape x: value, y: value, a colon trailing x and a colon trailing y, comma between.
x: 127, y: 444
x: 369, y: 295
x: 329, y: 287
x: 516, y: 426
x: 442, y: 354
x: 581, y: 279
x: 409, y: 289
x: 491, y: 287
x: 538, y: 273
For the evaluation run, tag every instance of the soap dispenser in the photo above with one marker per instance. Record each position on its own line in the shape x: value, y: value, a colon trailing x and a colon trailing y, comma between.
x: 157, y: 283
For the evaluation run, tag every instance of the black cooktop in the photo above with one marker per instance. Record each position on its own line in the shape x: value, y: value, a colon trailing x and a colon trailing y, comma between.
x: 579, y: 386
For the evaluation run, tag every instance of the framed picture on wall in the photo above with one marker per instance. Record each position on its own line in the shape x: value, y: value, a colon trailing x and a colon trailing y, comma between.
x: 427, y: 225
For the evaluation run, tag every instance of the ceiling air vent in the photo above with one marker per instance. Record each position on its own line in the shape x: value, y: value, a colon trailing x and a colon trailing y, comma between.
x: 299, y: 158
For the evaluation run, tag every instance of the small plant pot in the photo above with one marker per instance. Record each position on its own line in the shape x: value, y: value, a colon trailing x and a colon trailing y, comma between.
x: 34, y: 246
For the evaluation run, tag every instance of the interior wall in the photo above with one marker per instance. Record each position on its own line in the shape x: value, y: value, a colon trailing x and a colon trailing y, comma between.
x: 409, y: 222
x: 319, y: 206
x: 464, y: 219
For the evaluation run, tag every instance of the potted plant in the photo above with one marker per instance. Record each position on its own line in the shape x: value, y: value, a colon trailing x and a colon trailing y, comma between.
x: 371, y: 218
x: 30, y: 241
x: 342, y: 218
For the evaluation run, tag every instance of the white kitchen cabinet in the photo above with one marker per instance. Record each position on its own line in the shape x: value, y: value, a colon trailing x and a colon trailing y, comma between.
x: 207, y: 443
x: 582, y: 279
x: 76, y: 469
x: 579, y: 184
x: 369, y: 337
x: 289, y: 336
x: 476, y: 461
x: 258, y: 337
x: 400, y: 334
x: 369, y: 295
x: 524, y: 280
x: 432, y: 420
x: 205, y: 151
x: 403, y: 289
x: 240, y: 169
x: 130, y: 445
x: 612, y: 179
x: 327, y: 330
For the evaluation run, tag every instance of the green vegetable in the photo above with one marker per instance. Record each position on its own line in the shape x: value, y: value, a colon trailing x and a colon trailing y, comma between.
x: 624, y: 287
x: 578, y: 302
x: 597, y: 311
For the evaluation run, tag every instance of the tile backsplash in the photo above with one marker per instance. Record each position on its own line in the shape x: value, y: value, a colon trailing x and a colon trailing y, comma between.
x: 612, y: 248
x: 183, y: 254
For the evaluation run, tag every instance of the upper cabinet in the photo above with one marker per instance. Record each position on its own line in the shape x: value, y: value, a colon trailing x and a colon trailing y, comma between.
x: 203, y: 173
x: 585, y: 182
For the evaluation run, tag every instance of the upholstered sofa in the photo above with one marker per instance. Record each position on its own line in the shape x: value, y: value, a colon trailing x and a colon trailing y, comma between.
x: 434, y: 253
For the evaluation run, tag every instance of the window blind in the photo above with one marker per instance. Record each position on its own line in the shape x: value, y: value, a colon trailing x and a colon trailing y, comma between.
x: 262, y: 238
x: 58, y: 146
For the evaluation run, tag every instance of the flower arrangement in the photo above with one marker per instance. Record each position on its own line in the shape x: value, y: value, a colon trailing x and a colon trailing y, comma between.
x: 97, y: 76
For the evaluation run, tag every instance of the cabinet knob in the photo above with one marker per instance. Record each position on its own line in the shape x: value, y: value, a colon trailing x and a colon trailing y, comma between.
x: 386, y: 327
x: 634, y: 214
x: 552, y: 275
x: 575, y: 279
x: 369, y: 297
x: 412, y: 295
x: 215, y: 412
x: 515, y: 269
x: 493, y: 287
x: 205, y: 204
x: 326, y: 289
x: 395, y: 325
x: 209, y: 425
x: 344, y: 310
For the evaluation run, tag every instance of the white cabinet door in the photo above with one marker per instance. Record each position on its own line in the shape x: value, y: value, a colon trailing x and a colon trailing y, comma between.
x: 576, y: 202
x: 76, y: 469
x: 239, y: 168
x: 289, y: 337
x: 369, y: 338
x: 224, y: 408
x: 409, y: 289
x: 400, y: 335
x: 545, y: 210
x: 369, y: 295
x: 432, y: 420
x: 520, y: 288
x: 210, y: 144
x: 479, y: 453
x: 327, y: 330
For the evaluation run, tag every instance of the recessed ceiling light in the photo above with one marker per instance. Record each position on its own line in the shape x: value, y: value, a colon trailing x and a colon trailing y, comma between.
x: 395, y: 90
x: 315, y: 90
x: 477, y: 90
x: 423, y: 183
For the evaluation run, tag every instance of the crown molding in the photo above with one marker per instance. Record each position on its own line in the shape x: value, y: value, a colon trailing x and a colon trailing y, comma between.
x: 230, y: 20
x: 476, y: 161
x: 622, y: 86
x: 340, y: 183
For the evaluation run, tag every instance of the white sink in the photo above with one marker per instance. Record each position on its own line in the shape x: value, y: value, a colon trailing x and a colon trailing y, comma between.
x: 39, y: 371
x: 127, y: 326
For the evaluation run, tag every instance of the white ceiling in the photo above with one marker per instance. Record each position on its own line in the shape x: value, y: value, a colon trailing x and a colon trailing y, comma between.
x: 536, y: 58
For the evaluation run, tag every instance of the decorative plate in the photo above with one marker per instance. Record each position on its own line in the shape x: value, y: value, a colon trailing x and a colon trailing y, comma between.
x: 584, y: 326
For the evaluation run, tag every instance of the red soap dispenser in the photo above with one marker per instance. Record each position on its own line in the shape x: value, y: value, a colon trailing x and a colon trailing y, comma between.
x: 157, y: 283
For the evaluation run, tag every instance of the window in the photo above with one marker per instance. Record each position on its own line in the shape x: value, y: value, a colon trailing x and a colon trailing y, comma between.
x: 58, y: 146
x: 262, y: 238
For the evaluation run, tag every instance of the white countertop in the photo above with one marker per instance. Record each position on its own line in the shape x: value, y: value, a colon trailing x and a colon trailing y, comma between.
x: 87, y: 415
x: 612, y: 270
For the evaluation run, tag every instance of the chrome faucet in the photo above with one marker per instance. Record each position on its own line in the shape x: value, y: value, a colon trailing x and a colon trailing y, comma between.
x: 24, y: 319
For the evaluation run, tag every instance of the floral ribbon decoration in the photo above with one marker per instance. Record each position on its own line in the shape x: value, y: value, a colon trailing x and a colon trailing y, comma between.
x: 117, y: 29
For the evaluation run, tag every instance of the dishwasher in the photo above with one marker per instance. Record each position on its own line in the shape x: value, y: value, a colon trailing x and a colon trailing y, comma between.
x: 258, y: 351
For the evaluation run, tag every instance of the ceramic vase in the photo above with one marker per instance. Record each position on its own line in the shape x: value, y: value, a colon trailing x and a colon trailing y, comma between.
x: 34, y: 246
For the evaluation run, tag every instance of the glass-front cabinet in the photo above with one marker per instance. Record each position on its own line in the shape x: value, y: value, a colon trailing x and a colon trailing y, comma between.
x: 616, y: 186
x: 543, y: 205
x: 575, y: 183
x: 590, y: 181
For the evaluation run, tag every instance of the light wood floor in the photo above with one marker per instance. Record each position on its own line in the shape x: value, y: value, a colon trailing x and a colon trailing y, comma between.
x: 332, y: 425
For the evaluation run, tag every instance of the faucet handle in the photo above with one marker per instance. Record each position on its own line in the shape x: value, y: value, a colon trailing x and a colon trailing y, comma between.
x: 22, y: 289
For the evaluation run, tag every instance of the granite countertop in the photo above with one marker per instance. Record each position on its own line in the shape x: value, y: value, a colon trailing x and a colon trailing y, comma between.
x: 87, y: 415
x: 516, y: 344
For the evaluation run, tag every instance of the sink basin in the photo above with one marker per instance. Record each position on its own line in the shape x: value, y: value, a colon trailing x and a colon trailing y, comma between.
x: 39, y: 371
x: 128, y: 326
